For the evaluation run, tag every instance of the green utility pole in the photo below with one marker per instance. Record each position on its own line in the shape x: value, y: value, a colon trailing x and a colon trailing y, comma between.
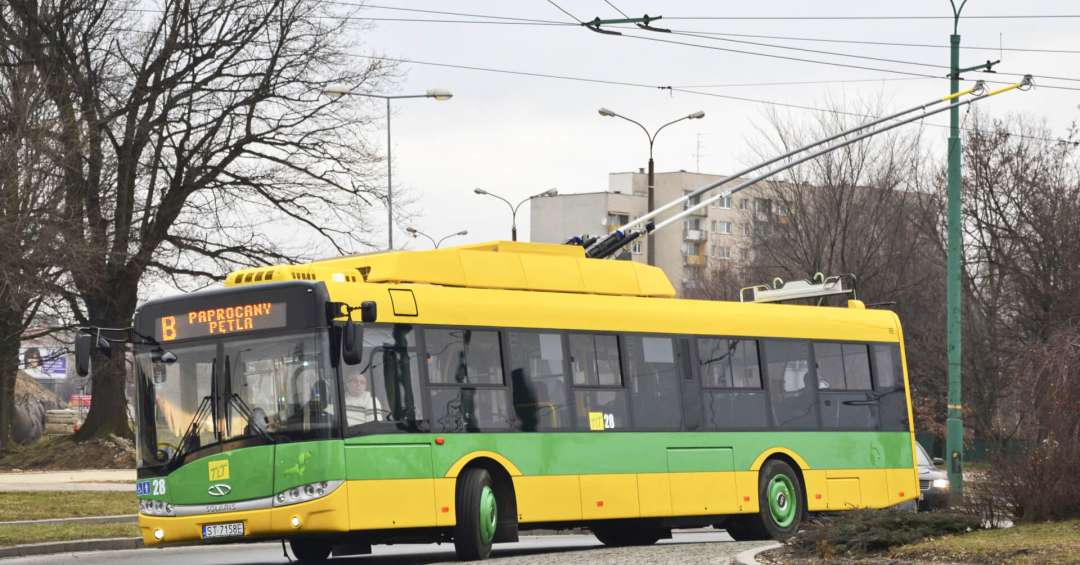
x: 954, y: 437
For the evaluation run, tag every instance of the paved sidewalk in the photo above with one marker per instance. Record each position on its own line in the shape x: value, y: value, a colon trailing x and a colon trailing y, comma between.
x: 100, y: 479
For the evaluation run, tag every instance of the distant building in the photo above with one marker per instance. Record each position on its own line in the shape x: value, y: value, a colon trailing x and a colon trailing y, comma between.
x: 711, y: 238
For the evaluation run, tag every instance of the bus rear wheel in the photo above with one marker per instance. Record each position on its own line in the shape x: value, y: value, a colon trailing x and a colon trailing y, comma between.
x: 477, y: 515
x: 623, y: 535
x: 781, y: 499
x: 310, y: 551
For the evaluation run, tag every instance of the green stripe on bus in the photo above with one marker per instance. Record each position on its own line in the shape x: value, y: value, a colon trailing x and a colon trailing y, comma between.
x: 383, y: 456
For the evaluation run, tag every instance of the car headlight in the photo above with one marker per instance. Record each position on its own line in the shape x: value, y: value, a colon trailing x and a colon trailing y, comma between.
x: 156, y: 508
x: 941, y: 484
x: 304, y: 493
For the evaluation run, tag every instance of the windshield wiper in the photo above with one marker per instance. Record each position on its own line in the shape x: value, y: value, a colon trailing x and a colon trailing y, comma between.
x: 192, y: 433
x: 243, y: 408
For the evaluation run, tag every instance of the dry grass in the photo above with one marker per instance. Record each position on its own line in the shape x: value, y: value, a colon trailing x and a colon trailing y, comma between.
x: 18, y: 535
x: 1053, y: 543
x: 41, y: 505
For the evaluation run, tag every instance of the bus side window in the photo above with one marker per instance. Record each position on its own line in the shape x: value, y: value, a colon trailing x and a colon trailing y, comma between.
x: 732, y: 395
x: 536, y: 370
x: 463, y: 356
x: 599, y: 399
x: 845, y: 398
x: 653, y: 379
x: 792, y: 397
x: 889, y: 386
x: 465, y: 375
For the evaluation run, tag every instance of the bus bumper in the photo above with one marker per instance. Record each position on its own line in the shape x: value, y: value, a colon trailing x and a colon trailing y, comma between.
x: 327, y: 514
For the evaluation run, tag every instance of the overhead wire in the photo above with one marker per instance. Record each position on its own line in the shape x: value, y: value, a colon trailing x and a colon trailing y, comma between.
x: 818, y: 61
x: 880, y: 43
x: 509, y: 20
x: 663, y: 88
x: 864, y: 18
x: 572, y: 16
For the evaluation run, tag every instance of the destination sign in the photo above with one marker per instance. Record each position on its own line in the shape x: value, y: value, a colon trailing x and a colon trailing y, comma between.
x: 239, y: 318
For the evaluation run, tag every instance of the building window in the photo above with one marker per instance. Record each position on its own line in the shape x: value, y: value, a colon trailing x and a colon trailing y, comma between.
x: 725, y: 227
x: 635, y: 247
x: 746, y: 229
x: 744, y: 204
x: 724, y: 202
x: 723, y: 252
x: 714, y: 222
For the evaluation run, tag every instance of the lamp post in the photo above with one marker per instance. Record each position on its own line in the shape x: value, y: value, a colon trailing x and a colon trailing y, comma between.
x: 415, y: 232
x: 651, y: 252
x: 954, y: 423
x: 438, y: 94
x: 514, y: 208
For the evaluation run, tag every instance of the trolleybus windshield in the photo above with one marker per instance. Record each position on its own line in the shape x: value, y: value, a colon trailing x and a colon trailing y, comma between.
x: 275, y: 388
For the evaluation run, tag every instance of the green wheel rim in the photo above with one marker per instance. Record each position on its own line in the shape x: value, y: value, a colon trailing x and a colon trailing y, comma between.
x: 783, y: 502
x: 489, y: 514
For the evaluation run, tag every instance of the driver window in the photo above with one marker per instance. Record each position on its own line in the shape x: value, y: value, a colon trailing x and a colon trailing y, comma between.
x: 382, y: 388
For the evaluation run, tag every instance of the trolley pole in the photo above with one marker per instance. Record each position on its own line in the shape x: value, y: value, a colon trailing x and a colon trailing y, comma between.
x: 954, y: 438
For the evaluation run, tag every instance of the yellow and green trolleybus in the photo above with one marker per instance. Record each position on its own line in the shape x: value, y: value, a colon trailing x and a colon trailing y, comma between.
x: 469, y: 393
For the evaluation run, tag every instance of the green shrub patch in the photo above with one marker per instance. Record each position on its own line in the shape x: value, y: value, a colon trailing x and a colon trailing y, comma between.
x: 866, y: 532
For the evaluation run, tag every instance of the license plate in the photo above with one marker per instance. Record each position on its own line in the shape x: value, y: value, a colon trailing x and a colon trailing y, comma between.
x: 228, y: 530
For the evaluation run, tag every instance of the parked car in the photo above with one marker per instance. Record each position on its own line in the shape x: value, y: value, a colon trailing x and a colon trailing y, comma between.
x: 933, y: 482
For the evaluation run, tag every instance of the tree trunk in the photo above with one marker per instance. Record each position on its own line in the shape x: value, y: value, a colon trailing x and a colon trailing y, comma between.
x: 108, y: 402
x: 9, y: 368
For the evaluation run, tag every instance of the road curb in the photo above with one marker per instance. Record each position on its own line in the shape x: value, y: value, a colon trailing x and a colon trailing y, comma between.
x: 70, y: 546
x: 748, y: 557
x: 114, y: 519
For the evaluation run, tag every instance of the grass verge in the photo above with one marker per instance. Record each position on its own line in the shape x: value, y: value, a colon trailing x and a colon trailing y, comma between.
x: 18, y: 535
x: 1050, y: 543
x: 34, y: 505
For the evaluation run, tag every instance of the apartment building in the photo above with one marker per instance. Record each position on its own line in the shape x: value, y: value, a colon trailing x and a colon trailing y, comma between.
x: 708, y: 239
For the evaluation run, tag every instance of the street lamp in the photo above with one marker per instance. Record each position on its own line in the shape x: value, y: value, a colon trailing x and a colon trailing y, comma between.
x: 336, y: 92
x: 651, y: 256
x: 514, y: 208
x: 415, y: 232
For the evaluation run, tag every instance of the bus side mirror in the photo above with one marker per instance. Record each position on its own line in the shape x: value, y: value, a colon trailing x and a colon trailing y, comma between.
x: 369, y: 311
x: 83, y: 341
x: 352, y: 343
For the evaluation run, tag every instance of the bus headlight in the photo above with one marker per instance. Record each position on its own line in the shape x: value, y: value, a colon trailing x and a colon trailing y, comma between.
x: 942, y: 484
x: 304, y: 493
x: 156, y: 508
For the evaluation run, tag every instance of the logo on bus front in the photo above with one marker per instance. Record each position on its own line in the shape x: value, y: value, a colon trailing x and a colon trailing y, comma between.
x: 219, y: 470
x: 220, y: 489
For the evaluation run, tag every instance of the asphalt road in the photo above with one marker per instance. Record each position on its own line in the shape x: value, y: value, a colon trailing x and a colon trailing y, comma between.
x: 692, y: 547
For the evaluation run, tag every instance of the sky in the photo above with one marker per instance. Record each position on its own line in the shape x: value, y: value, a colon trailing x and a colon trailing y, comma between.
x: 520, y: 135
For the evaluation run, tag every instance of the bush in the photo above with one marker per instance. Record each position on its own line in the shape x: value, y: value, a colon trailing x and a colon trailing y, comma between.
x: 1036, y: 481
x: 862, y: 532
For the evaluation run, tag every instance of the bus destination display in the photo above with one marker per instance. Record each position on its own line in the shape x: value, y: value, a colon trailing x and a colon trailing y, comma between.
x: 221, y: 321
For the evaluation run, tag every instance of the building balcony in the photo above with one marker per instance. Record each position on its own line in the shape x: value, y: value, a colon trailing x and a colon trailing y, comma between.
x: 702, y: 212
x: 694, y: 260
x: 694, y: 235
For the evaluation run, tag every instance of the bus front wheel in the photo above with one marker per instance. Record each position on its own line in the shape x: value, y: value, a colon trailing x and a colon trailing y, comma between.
x: 477, y: 515
x: 310, y: 551
x: 781, y: 499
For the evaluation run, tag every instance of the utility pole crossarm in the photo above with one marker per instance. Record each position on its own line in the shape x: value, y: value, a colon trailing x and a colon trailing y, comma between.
x: 642, y: 22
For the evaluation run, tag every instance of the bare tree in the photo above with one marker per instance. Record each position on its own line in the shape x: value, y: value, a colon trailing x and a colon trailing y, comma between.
x: 29, y: 225
x: 185, y: 127
x: 868, y: 209
x: 1021, y: 193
